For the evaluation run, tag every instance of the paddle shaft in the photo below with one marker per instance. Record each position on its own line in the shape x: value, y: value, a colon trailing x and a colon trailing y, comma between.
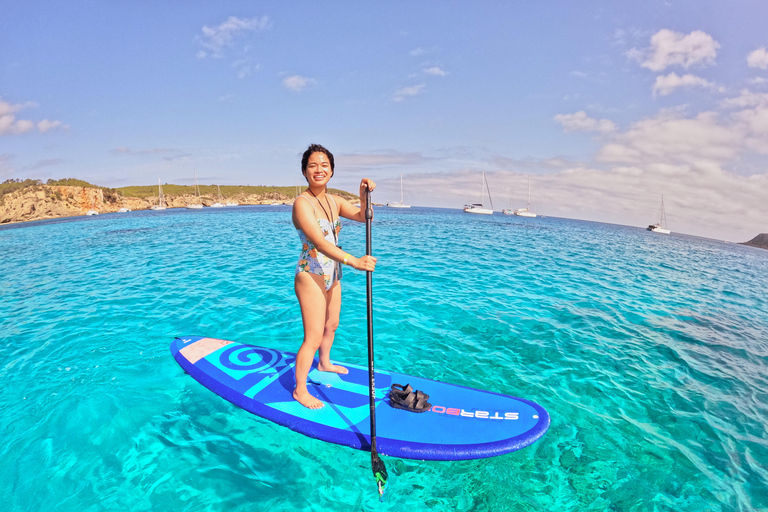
x: 377, y: 465
x: 369, y: 300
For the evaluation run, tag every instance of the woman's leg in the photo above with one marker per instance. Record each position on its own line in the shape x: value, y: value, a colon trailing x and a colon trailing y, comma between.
x: 310, y: 290
x: 331, y: 323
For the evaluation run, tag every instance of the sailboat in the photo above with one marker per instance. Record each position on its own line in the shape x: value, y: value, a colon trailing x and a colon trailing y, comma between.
x: 480, y: 207
x: 661, y: 225
x: 526, y: 212
x: 218, y: 204
x: 198, y: 205
x: 160, y: 198
x: 399, y: 204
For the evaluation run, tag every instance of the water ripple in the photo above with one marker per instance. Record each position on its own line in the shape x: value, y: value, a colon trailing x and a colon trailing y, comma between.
x: 649, y: 353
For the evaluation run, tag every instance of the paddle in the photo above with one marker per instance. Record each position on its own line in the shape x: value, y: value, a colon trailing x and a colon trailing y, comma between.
x: 377, y: 465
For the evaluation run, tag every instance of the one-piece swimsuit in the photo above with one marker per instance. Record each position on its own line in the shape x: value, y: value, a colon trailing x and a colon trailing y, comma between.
x: 315, y: 262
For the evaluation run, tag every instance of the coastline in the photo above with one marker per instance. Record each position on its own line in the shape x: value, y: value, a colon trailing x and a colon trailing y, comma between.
x: 43, y: 202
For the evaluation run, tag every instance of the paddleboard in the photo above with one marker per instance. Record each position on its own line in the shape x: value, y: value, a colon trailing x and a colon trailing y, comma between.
x: 463, y: 423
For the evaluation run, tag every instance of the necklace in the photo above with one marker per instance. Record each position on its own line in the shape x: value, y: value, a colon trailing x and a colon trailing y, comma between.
x: 327, y: 216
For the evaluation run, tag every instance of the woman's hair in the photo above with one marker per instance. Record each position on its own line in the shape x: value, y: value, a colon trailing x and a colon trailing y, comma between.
x: 315, y: 148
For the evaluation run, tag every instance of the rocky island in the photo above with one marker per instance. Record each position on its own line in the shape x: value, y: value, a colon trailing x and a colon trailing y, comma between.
x: 26, y: 200
x: 760, y: 241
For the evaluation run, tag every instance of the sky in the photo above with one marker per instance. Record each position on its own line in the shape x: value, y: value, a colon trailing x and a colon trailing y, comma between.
x: 604, y: 106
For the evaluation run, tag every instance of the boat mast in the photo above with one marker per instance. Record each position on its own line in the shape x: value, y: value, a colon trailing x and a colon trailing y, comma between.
x: 529, y: 192
x: 489, y: 190
x: 482, y: 192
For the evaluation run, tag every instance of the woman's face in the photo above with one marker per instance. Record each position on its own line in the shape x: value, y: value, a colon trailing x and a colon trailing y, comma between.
x: 318, y: 170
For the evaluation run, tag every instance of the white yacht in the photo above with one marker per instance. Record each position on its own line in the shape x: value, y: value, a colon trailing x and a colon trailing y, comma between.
x: 526, y: 212
x: 218, y: 204
x: 160, y: 198
x: 399, y: 204
x: 480, y: 207
x: 661, y: 224
x: 198, y: 205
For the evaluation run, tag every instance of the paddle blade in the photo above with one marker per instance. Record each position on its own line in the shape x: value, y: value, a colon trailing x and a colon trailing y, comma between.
x: 379, y: 474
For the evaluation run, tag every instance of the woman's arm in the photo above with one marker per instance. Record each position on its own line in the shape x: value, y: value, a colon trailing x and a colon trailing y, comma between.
x: 304, y: 219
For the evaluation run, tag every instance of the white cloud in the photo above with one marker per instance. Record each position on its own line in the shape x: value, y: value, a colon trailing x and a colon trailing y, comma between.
x: 435, y: 71
x: 758, y: 58
x: 581, y: 122
x: 245, y: 67
x: 670, y: 48
x: 702, y: 144
x: 746, y: 99
x: 9, y: 125
x: 753, y: 124
x: 7, y: 108
x: 297, y: 83
x: 417, y: 52
x: 698, y: 203
x: 664, y: 85
x: 413, y: 90
x: 215, y: 39
x: 669, y: 138
x: 46, y: 125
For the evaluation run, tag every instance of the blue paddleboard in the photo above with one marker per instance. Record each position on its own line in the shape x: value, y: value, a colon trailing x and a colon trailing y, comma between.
x: 462, y: 423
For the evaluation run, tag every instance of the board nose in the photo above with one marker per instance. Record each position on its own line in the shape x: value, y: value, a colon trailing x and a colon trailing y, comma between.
x: 182, y: 341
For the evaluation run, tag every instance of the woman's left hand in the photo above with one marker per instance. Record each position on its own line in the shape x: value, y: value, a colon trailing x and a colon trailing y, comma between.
x: 366, y: 184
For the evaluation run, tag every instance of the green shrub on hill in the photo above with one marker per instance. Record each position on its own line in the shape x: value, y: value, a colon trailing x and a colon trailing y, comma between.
x: 70, y: 182
x: 12, y: 185
x: 145, y: 192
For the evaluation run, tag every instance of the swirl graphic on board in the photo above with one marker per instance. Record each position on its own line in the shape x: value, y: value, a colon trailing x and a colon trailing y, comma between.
x: 248, y: 357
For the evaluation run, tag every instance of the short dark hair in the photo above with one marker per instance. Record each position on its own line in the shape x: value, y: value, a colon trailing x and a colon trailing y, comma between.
x: 315, y: 148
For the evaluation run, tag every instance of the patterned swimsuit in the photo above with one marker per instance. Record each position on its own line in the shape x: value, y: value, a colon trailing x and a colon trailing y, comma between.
x: 313, y: 261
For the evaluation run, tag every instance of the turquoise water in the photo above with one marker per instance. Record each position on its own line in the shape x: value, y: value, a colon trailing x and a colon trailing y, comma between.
x: 649, y: 352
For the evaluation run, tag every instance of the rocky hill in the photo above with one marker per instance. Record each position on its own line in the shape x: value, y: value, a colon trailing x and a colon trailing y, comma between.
x: 38, y: 201
x: 760, y: 241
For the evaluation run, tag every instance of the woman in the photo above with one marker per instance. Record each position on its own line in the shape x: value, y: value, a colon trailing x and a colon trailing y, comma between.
x: 318, y: 287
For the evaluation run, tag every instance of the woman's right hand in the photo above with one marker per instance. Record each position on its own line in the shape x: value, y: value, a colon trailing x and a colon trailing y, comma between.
x: 367, y: 263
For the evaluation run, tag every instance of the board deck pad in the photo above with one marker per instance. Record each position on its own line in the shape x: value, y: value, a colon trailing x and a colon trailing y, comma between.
x: 463, y: 423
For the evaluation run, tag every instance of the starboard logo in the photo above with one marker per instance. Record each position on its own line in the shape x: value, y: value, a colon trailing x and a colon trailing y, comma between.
x: 486, y: 415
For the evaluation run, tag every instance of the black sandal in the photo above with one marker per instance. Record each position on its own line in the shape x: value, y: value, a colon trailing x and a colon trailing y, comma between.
x: 404, y: 391
x: 403, y: 397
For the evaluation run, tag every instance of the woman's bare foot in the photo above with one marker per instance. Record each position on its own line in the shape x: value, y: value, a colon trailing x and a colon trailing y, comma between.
x: 332, y: 368
x: 307, y: 400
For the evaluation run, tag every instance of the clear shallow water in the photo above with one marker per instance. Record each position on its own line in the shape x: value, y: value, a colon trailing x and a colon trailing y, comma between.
x: 648, y: 351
